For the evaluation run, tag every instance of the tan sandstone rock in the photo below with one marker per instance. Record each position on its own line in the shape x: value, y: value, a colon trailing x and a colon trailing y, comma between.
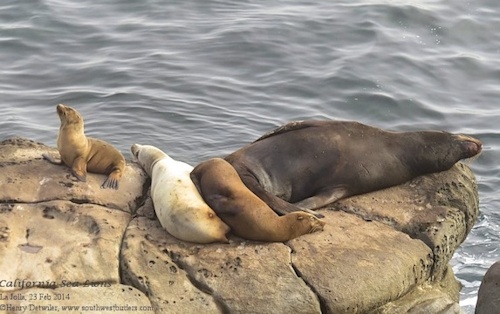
x: 26, y: 177
x: 382, y: 252
x: 54, y: 233
x: 488, y: 298
x: 242, y: 277
x: 439, y: 209
x: 150, y: 268
x: 59, y: 242
x: 355, y: 266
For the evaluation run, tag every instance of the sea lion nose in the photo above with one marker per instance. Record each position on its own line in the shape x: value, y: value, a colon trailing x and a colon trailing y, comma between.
x: 59, y: 108
x: 471, y: 146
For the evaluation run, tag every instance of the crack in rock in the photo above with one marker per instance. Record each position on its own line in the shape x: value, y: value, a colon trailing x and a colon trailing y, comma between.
x: 297, y: 272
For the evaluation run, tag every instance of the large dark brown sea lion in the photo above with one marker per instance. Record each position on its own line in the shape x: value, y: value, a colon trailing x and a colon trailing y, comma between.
x: 83, y: 153
x: 314, y: 163
x: 247, y: 215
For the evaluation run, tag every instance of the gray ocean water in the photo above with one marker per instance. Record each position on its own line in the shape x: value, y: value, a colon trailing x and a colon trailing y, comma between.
x: 203, y: 78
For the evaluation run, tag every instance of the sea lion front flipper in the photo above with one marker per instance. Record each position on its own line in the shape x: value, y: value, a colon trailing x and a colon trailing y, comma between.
x: 322, y: 199
x: 216, y: 198
x: 52, y: 160
x: 79, y: 169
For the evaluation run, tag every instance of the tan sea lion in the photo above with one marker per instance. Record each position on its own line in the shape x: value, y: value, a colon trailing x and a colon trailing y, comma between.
x: 247, y: 215
x: 83, y: 153
x: 177, y: 204
x: 310, y: 164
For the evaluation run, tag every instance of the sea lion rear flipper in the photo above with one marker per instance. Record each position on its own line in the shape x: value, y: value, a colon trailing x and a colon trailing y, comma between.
x: 112, y: 181
x: 291, y: 126
x: 79, y: 169
x: 322, y: 199
x: 52, y: 160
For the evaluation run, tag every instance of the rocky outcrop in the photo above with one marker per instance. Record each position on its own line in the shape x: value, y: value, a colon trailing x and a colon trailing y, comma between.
x: 488, y: 297
x: 382, y: 252
x: 27, y: 178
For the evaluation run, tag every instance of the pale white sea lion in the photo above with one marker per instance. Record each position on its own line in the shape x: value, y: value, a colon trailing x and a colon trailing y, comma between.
x: 178, y: 205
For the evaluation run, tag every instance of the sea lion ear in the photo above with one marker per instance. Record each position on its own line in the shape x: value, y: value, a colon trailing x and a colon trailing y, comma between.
x: 300, y: 217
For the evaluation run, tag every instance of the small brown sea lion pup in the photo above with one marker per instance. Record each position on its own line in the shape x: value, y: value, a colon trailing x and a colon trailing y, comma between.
x: 247, y: 215
x: 83, y: 153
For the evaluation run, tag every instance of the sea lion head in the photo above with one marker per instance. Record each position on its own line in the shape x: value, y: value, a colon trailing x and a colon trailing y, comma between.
x: 310, y: 222
x: 69, y: 116
x: 441, y: 150
x: 147, y: 156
